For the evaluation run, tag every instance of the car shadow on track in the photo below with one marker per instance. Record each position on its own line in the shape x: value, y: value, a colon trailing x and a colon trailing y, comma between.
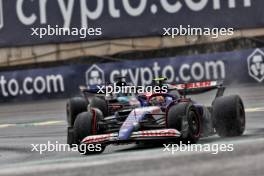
x: 249, y: 134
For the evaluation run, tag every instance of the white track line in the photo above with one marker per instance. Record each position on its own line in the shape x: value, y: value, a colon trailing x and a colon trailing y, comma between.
x: 45, y: 123
x: 254, y: 110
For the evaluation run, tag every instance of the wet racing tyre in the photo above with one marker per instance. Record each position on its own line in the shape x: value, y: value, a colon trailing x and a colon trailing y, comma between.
x: 100, y: 104
x: 185, y: 118
x: 75, y: 106
x: 229, y: 116
x: 83, y: 127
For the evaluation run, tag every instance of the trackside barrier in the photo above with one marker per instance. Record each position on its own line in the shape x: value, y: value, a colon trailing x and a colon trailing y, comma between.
x: 237, y: 67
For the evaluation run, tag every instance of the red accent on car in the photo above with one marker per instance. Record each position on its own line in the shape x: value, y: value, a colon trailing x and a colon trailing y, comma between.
x: 94, y: 122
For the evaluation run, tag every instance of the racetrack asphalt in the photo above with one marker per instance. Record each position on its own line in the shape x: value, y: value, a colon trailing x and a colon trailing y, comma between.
x: 23, y: 124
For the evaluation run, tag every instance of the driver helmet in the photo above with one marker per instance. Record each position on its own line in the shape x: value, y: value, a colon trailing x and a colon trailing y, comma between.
x: 157, y: 101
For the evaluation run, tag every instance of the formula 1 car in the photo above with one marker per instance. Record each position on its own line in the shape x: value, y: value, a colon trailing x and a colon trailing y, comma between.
x: 164, y: 117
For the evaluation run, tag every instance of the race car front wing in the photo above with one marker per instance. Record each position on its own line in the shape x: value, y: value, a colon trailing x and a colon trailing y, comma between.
x: 135, y: 136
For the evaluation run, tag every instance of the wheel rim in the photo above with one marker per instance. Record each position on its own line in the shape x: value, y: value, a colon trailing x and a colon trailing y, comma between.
x: 68, y: 110
x: 242, y: 116
x: 68, y: 113
x: 194, y: 124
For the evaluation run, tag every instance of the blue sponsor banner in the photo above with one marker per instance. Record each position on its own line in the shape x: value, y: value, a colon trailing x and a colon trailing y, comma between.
x: 238, y: 67
x: 118, y: 18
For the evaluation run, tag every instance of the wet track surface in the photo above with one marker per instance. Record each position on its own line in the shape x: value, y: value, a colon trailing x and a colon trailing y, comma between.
x: 37, y: 123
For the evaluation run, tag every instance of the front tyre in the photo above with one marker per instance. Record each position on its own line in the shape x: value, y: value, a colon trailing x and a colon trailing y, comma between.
x: 185, y: 118
x: 75, y: 106
x: 83, y: 127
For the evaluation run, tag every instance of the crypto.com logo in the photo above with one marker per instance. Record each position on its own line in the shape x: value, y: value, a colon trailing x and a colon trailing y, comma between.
x: 94, y: 76
x: 256, y: 65
x: 1, y: 14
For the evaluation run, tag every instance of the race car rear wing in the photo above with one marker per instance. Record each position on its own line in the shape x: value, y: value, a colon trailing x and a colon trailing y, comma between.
x: 198, y: 88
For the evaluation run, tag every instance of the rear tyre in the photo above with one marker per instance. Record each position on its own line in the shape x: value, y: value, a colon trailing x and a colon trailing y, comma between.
x: 184, y: 118
x: 83, y: 128
x: 229, y: 116
x: 100, y: 104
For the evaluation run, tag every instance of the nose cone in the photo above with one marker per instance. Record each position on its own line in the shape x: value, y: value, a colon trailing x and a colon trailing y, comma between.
x: 124, y: 133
